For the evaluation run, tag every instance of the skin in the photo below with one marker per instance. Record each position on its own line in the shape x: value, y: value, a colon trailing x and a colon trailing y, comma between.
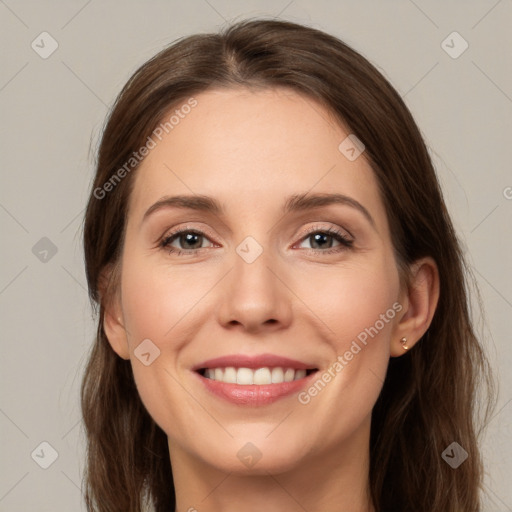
x: 250, y: 150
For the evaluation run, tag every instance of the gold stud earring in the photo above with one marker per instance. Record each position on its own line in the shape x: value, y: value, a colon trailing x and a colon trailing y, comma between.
x: 403, y: 341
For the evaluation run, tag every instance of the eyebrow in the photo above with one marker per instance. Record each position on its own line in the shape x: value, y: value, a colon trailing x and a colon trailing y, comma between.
x: 294, y: 203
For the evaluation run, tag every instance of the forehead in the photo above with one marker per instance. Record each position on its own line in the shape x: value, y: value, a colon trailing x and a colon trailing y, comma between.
x: 243, y: 146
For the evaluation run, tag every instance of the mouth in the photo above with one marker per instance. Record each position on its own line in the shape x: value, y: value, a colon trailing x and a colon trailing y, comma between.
x: 254, y: 380
x: 259, y: 376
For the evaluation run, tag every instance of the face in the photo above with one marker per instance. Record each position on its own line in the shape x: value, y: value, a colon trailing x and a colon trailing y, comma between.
x: 269, y: 280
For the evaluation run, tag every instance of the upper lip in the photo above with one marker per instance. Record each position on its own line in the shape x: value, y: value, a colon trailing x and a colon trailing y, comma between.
x: 254, y: 362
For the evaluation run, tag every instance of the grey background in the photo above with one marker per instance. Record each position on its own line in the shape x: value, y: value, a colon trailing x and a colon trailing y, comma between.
x: 52, y: 112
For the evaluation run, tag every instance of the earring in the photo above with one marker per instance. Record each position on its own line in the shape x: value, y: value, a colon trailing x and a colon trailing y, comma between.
x: 403, y: 341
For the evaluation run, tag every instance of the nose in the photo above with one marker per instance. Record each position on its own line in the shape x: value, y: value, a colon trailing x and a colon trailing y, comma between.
x: 255, y: 296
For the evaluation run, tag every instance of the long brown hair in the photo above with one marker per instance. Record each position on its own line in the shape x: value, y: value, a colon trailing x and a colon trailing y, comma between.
x: 430, y: 397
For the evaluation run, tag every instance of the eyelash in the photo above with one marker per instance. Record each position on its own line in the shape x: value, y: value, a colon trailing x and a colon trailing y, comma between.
x: 345, y: 242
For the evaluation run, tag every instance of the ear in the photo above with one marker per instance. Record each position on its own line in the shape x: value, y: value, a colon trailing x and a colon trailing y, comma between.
x: 419, y: 303
x: 113, y: 321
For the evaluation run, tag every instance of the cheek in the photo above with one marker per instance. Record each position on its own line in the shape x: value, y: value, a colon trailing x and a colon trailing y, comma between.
x: 153, y: 303
x: 360, y: 308
x: 157, y: 299
x: 353, y: 300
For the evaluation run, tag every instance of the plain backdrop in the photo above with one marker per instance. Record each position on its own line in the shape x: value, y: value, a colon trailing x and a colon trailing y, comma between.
x: 52, y: 112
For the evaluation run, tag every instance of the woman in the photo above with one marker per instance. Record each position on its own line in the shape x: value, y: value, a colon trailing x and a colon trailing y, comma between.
x: 283, y: 314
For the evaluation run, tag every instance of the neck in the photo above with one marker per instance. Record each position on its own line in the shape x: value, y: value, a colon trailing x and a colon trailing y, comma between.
x: 332, y: 481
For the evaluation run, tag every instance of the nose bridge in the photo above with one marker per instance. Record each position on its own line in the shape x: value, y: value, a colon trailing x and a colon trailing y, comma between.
x: 254, y: 296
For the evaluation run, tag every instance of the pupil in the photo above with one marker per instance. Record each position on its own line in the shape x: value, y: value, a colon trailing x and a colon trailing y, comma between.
x: 317, y: 238
x: 188, y: 239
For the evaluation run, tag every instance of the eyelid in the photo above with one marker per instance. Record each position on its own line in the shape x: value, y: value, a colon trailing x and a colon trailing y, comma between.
x: 205, y: 231
x: 185, y: 228
x: 332, y: 227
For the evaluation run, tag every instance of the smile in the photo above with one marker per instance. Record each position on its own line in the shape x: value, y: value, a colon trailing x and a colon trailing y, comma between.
x: 259, y: 376
x: 253, y: 380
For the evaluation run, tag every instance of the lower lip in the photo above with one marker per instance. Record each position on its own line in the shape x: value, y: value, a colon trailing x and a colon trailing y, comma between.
x: 253, y: 394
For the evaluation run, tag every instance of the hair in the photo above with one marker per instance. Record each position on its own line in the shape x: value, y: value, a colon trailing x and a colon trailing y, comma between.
x: 430, y: 395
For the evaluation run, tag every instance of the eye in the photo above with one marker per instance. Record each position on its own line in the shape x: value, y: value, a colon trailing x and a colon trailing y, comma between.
x: 190, y: 240
x: 322, y: 240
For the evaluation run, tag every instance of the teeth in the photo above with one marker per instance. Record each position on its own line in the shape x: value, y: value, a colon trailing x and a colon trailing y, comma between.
x: 247, y: 376
x: 277, y: 375
x: 244, y: 376
x: 229, y: 375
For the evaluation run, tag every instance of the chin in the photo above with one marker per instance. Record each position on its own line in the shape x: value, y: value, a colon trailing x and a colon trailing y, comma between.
x: 256, y: 457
